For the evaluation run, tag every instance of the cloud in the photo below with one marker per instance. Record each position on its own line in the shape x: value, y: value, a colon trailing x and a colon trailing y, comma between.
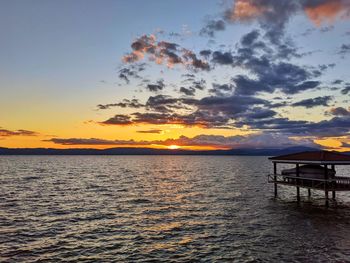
x: 157, y: 131
x: 205, y: 53
x: 211, y: 27
x: 163, y: 52
x: 345, y: 90
x: 156, y: 87
x: 269, y: 67
x: 208, y: 112
x: 263, y: 62
x: 337, y: 126
x: 9, y: 133
x: 339, y: 111
x: 279, y: 12
x: 188, y: 91
x: 337, y: 82
x: 344, y: 49
x: 326, y: 10
x: 132, y: 71
x: 314, y: 102
x: 165, y: 103
x: 118, y: 119
x: 345, y: 145
x: 273, y: 15
x: 133, y: 103
x: 94, y: 141
x: 221, y: 90
x: 221, y: 58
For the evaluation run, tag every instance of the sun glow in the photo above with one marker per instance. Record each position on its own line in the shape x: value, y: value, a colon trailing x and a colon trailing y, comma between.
x: 173, y: 147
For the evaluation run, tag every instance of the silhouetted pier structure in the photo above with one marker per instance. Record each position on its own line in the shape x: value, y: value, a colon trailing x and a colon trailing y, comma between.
x: 313, y: 170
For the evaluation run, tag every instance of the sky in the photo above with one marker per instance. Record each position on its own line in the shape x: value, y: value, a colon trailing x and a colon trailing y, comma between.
x: 175, y: 74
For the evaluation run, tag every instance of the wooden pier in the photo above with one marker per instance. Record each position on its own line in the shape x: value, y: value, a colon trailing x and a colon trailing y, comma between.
x: 313, y: 170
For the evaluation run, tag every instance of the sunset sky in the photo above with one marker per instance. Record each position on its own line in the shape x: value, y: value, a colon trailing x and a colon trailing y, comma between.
x: 192, y: 74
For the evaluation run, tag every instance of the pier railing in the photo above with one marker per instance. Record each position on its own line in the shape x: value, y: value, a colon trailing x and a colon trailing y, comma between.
x: 336, y: 183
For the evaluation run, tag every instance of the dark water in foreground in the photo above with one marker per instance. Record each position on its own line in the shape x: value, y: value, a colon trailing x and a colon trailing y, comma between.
x: 161, y: 208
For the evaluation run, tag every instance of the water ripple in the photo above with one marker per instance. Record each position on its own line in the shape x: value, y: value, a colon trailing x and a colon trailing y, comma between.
x: 161, y: 209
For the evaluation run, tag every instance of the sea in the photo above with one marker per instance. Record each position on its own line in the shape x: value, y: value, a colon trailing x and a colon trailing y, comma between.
x: 163, y: 209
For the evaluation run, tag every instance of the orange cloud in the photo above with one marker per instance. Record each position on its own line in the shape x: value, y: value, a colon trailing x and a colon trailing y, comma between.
x: 275, y: 10
x: 246, y: 10
x: 328, y: 11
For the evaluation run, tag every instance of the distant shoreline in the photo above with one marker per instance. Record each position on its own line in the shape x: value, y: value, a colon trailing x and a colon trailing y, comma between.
x: 150, y: 151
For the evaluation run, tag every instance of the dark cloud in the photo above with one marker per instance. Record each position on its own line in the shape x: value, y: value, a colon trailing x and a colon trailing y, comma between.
x: 220, y: 90
x: 188, y: 76
x: 339, y: 111
x: 229, y: 106
x: 337, y: 126
x: 157, y: 131
x: 133, y: 103
x: 337, y: 82
x: 222, y: 58
x: 131, y: 71
x: 314, y: 102
x: 326, y: 29
x: 165, y: 103
x: 213, y: 111
x: 156, y: 87
x: 9, y: 133
x: 118, y: 119
x: 205, y: 53
x: 250, y: 38
x: 247, y: 86
x: 211, y: 27
x: 308, y: 32
x: 95, y: 141
x: 287, y: 77
x: 188, y: 91
x: 268, y: 67
x: 163, y: 52
x: 199, y: 84
x: 345, y: 90
x: 344, y: 50
x: 197, y: 118
x: 195, y: 63
x: 259, y: 113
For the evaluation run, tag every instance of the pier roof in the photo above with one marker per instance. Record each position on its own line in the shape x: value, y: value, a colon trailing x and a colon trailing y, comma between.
x: 313, y: 157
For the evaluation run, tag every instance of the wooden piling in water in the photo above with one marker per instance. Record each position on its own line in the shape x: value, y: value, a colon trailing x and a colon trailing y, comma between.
x: 298, y: 188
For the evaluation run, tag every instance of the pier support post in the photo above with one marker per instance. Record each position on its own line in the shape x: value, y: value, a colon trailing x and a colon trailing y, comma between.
x: 297, y: 181
x: 327, y: 199
x: 309, y: 192
x: 275, y: 177
x: 334, y: 182
x: 326, y: 184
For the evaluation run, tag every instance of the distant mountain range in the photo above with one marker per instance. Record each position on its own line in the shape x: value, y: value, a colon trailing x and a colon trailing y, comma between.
x: 149, y: 151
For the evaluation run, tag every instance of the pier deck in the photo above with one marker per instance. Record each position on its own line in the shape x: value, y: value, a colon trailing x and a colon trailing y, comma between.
x: 335, y: 184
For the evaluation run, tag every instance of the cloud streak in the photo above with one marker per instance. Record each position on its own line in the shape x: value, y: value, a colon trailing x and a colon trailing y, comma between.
x: 10, y: 133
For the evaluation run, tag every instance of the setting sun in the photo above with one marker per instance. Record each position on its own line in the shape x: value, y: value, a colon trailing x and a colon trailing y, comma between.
x: 173, y: 147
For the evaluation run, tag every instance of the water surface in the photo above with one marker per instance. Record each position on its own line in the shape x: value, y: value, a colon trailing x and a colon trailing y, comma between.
x: 162, y: 208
